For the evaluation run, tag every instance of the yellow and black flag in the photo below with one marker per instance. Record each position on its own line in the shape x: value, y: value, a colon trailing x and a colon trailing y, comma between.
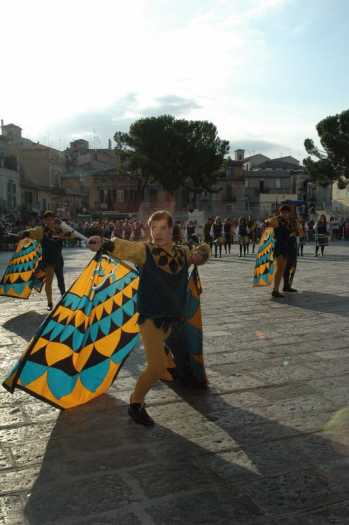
x: 24, y: 272
x: 81, y: 346
x: 264, y: 269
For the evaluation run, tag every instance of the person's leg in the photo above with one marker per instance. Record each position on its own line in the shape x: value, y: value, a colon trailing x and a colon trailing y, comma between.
x: 316, y: 250
x: 220, y: 249
x: 59, y: 271
x: 240, y: 245
x: 286, y: 275
x: 216, y: 249
x: 153, y: 340
x: 289, y: 273
x: 245, y: 248
x: 49, y: 271
x: 281, y: 262
x: 322, y: 250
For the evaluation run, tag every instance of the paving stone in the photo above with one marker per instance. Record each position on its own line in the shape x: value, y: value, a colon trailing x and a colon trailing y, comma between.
x: 40, y: 411
x: 11, y: 416
x: 18, y: 480
x: 93, y: 495
x: 294, y: 491
x: 212, y: 507
x: 11, y: 510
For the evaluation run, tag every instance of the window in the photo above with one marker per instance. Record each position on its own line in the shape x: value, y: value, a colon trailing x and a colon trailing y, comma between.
x: 261, y: 186
x: 277, y: 184
x: 11, y: 194
x: 120, y: 196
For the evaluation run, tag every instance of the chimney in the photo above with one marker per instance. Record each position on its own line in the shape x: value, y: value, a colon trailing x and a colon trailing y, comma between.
x: 239, y: 154
x: 109, y: 143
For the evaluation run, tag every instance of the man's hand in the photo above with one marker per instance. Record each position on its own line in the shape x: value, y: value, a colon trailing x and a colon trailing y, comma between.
x: 197, y: 259
x: 200, y: 254
x: 94, y: 243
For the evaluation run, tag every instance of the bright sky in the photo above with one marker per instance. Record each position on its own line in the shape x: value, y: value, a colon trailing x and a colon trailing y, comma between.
x: 264, y: 71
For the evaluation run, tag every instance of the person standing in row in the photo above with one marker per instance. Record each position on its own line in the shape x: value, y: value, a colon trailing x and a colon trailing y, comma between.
x: 301, y: 237
x: 321, y: 235
x: 227, y: 229
x: 252, y: 233
x: 243, y: 236
x: 217, y: 235
x: 208, y: 232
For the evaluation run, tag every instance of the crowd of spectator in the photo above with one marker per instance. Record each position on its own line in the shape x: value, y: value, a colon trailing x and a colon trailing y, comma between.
x: 184, y: 231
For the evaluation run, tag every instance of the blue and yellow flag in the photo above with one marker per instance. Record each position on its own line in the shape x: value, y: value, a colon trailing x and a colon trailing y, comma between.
x: 186, y: 345
x: 264, y: 269
x: 23, y: 272
x: 81, y: 346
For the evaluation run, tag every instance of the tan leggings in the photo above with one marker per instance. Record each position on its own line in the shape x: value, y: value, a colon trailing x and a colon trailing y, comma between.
x: 50, y: 271
x: 280, y: 268
x: 157, y: 360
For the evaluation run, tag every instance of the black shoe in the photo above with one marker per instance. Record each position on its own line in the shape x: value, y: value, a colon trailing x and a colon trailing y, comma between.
x: 279, y: 295
x: 290, y: 290
x: 49, y: 307
x: 139, y: 414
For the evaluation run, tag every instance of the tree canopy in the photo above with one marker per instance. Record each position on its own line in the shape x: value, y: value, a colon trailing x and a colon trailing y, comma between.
x: 176, y: 153
x: 332, y: 162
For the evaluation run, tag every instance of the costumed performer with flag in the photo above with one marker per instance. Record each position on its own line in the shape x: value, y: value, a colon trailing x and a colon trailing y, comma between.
x: 51, y: 236
x: 162, y: 296
x: 273, y: 251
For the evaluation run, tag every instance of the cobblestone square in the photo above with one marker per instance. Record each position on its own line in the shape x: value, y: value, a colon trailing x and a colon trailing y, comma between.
x: 267, y: 444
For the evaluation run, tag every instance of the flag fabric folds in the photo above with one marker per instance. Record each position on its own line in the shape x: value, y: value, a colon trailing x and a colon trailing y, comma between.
x: 186, y: 345
x: 264, y: 269
x: 80, y: 347
x: 24, y: 272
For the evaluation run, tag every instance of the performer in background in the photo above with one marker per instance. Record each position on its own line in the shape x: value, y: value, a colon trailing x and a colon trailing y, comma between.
x: 292, y: 252
x: 51, y: 236
x: 281, y: 226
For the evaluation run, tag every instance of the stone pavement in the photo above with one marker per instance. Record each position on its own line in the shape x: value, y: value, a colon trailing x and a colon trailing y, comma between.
x: 268, y: 444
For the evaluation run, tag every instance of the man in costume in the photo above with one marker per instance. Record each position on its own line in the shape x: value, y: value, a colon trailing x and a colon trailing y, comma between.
x: 282, y: 230
x: 51, y: 238
x: 292, y: 253
x: 161, y: 296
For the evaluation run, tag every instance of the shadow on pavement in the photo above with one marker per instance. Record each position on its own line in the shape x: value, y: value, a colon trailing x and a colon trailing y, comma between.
x: 25, y: 324
x: 320, y: 302
x: 97, y: 461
